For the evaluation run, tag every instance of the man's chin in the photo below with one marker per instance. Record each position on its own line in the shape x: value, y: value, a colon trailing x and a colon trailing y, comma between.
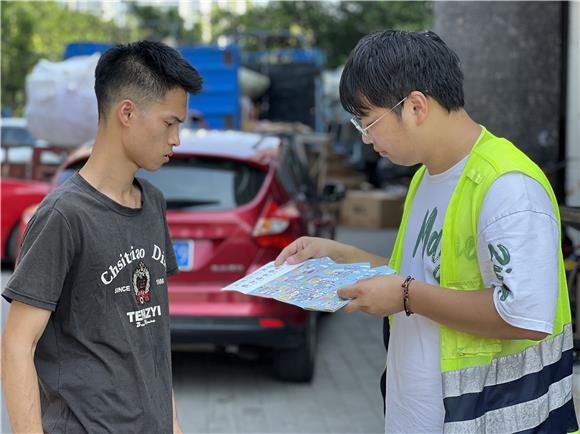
x: 400, y: 163
x: 150, y: 167
x: 389, y: 157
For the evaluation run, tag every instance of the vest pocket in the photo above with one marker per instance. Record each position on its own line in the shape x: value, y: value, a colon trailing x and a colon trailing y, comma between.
x: 470, y: 345
x: 461, y: 350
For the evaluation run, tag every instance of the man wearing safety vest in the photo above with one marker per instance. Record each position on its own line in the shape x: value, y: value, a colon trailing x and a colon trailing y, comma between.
x: 479, y: 329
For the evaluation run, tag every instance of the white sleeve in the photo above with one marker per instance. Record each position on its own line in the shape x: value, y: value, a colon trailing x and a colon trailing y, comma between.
x: 518, y: 246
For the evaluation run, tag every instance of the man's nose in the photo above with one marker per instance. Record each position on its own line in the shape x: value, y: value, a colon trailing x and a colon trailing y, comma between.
x: 175, y: 140
x: 366, y: 139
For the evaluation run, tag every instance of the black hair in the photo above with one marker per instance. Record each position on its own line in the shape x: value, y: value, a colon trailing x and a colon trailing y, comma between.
x: 386, y: 66
x: 141, y: 71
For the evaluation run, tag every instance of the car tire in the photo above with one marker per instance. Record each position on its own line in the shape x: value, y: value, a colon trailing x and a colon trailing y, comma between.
x: 297, y: 364
x: 11, y: 245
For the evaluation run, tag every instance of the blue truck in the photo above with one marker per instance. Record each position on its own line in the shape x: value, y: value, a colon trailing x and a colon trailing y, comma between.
x: 219, y: 100
x: 295, y: 92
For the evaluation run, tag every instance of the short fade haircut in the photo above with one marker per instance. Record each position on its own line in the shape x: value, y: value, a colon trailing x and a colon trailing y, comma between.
x: 143, y: 72
x: 386, y: 66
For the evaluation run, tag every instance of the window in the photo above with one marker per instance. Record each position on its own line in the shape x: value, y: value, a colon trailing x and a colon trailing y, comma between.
x: 201, y: 184
x: 16, y: 136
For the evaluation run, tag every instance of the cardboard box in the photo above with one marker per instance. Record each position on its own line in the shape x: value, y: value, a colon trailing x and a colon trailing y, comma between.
x: 350, y: 181
x: 374, y: 209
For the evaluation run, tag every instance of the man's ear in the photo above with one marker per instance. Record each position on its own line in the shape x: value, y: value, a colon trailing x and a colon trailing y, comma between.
x: 417, y: 105
x: 125, y: 112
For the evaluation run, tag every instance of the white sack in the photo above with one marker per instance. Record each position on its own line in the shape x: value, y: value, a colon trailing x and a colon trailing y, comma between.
x: 61, y: 106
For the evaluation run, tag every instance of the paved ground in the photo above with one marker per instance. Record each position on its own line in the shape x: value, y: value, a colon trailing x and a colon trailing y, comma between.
x: 224, y: 394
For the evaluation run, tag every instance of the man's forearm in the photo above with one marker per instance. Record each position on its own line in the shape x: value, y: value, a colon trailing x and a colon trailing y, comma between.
x: 354, y: 254
x: 471, y: 312
x: 21, y: 392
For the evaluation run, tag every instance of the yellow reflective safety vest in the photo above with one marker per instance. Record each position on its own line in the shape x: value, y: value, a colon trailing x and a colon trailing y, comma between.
x: 496, y: 385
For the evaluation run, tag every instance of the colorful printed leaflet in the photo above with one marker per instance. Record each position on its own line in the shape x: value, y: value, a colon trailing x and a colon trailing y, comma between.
x: 310, y: 285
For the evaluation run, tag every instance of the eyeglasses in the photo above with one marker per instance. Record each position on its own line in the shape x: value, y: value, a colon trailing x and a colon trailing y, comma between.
x: 365, y: 130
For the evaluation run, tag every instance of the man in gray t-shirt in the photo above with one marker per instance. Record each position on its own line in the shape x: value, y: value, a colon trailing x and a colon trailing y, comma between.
x: 86, y: 342
x: 102, y: 272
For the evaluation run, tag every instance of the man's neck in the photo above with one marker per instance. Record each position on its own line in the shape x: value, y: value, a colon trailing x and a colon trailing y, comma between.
x: 109, y: 172
x: 452, y: 142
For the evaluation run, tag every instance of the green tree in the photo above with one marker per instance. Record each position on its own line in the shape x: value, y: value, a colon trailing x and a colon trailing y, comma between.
x: 164, y: 24
x: 41, y: 30
x: 334, y: 27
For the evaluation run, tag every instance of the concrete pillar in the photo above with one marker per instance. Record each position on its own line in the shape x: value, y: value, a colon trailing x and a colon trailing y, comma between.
x: 512, y: 56
x: 573, y: 110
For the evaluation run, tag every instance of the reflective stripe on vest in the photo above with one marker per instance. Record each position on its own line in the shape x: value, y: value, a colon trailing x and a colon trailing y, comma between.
x: 508, y: 368
x: 520, y: 417
x: 541, y: 375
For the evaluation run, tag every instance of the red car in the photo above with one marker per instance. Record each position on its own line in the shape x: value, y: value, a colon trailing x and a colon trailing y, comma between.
x: 16, y: 196
x: 234, y: 200
x: 24, y: 160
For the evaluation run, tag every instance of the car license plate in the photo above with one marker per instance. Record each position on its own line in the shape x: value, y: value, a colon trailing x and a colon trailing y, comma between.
x: 184, y: 254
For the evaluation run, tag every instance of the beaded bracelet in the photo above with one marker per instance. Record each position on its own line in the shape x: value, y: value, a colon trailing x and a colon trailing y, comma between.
x: 405, y: 287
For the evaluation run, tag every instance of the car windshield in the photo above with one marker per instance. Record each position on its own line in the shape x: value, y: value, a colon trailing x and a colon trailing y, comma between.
x: 16, y: 136
x: 200, y: 184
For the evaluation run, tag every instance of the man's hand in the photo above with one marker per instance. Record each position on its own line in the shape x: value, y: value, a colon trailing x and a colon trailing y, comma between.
x: 380, y: 296
x: 176, y: 426
x: 310, y: 247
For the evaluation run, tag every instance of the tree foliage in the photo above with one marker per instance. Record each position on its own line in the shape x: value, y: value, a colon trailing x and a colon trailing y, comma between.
x: 32, y: 30
x: 164, y: 24
x: 41, y: 30
x: 333, y: 26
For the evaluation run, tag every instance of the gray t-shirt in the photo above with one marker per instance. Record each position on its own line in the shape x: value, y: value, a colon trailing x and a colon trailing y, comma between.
x: 104, y: 360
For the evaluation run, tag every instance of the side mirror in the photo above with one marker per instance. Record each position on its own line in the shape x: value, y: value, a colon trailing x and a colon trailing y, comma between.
x: 333, y: 191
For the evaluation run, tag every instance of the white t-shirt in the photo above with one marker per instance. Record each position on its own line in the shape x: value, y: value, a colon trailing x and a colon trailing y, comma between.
x: 518, y: 243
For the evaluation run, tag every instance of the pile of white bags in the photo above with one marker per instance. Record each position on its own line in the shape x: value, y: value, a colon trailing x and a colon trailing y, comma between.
x: 61, y: 106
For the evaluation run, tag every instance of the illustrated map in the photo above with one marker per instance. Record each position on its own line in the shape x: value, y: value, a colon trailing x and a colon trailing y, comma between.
x: 310, y: 285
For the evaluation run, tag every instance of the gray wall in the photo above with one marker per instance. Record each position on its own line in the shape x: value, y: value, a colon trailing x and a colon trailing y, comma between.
x: 511, y: 54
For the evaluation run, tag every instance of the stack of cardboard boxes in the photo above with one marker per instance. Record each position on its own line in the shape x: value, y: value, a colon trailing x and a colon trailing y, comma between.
x: 372, y: 209
x: 361, y: 208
